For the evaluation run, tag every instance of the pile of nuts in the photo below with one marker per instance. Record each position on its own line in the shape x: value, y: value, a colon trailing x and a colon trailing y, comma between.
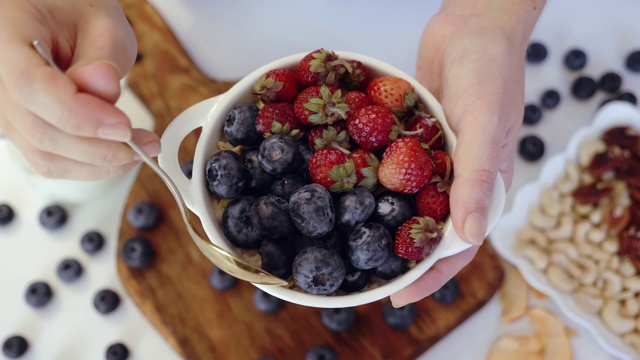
x: 585, y: 232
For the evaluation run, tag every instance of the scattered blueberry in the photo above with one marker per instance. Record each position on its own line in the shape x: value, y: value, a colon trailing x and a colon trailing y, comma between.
x: 266, y: 302
x: 355, y: 207
x: 355, y: 279
x: 69, y: 270
x: 532, y: 114
x: 607, y: 100
x: 318, y: 271
x: 53, y: 217
x: 398, y: 318
x: 279, y: 154
x: 38, y: 294
x: 321, y: 352
x: 550, y: 99
x: 260, y: 180
x: 187, y: 168
x: 633, y: 61
x: 270, y: 215
x: 240, y: 125
x: 575, y: 59
x: 338, y: 319
x: 143, y: 215
x: 15, y: 346
x: 117, y: 351
x: 393, y: 267
x: 106, y: 301
x: 6, y: 214
x: 238, y: 226
x: 220, y: 280
x: 531, y: 148
x: 226, y: 175
x: 311, y: 209
x: 610, y: 82
x: 285, y: 186
x: 628, y: 97
x: 138, y: 252
x: 584, y: 87
x: 277, y: 257
x: 370, y: 245
x: 92, y: 242
x: 448, y: 293
x: 536, y: 53
x: 393, y: 209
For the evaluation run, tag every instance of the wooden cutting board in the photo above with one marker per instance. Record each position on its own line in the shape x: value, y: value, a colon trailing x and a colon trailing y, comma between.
x: 202, y: 323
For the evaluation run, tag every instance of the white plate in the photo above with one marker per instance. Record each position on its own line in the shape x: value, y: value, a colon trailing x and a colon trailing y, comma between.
x: 503, y: 235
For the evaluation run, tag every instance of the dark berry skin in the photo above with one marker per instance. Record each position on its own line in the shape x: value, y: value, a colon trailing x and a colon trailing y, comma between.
x: 260, y: 180
x: 279, y: 154
x: 53, y: 217
x: 536, y: 53
x: 238, y: 226
x: 117, y: 351
x: 106, y: 301
x: 15, y: 346
x: 355, y: 207
x: 220, y: 280
x: 628, y: 97
x: 6, y: 214
x: 331, y: 241
x: 531, y: 148
x: 393, y: 209
x: 270, y: 214
x: 610, y: 82
x: 69, y: 270
x: 398, y: 318
x: 355, y: 279
x: 321, y: 352
x: 38, y: 294
x: 287, y: 185
x: 226, y: 175
x: 277, y: 257
x: 187, y: 168
x: 448, y: 293
x: 584, y: 88
x: 143, y: 215
x: 240, y: 125
x: 633, y: 61
x: 266, y: 302
x: 369, y: 245
x: 338, y: 319
x: 306, y: 153
x: 311, y: 209
x: 138, y: 252
x: 393, y: 267
x: 92, y: 242
x: 532, y: 114
x: 318, y: 271
x: 550, y: 99
x: 575, y: 59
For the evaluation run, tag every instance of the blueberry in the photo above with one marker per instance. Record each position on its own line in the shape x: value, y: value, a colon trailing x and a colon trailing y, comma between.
x: 238, y: 226
x: 15, y: 346
x: 287, y: 185
x: 92, y: 242
x: 331, y: 241
x: 448, y: 293
x: 187, y: 168
x: 220, y: 280
x: 355, y: 279
x: 393, y: 209
x: 38, y: 294
x: 270, y: 215
x: 318, y: 271
x: 311, y: 209
x: 338, y: 319
x: 536, y: 53
x: 226, y: 175
x: 266, y: 302
x: 277, y: 257
x: 370, y: 245
x: 69, y: 270
x: 531, y: 148
x: 393, y: 267
x: 550, y: 99
x: 306, y: 152
x: 633, y: 61
x: 321, y: 352
x: 143, y: 215
x: 279, y: 154
x: 240, y: 125
x: 610, y: 82
x: 6, y: 214
x: 398, y: 318
x: 117, y: 351
x: 106, y: 301
x: 53, y: 217
x: 584, y: 87
x: 260, y: 180
x: 355, y: 207
x: 575, y: 59
x: 628, y: 97
x: 138, y: 252
x: 532, y: 114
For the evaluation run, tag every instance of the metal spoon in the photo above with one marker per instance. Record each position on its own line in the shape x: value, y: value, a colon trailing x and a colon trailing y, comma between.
x: 230, y: 263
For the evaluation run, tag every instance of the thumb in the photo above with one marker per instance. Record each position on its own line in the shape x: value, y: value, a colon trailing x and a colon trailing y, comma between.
x: 99, y: 78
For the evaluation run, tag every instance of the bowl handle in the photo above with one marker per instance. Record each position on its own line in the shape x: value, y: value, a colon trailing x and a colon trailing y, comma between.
x: 192, y: 118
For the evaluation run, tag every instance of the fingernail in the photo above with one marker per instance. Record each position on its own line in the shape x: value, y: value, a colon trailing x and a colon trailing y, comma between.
x: 152, y: 149
x: 474, y: 228
x: 115, y: 132
x: 397, y: 304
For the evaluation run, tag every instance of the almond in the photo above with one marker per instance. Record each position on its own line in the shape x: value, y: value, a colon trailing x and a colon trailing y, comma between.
x: 592, y: 193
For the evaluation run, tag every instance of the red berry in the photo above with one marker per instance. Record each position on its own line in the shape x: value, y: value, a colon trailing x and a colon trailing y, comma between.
x: 317, y: 105
x: 406, y: 166
x: 366, y: 164
x: 416, y: 238
x: 329, y: 136
x: 392, y: 92
x: 330, y: 168
x: 442, y: 164
x: 372, y: 127
x: 356, y: 100
x: 278, y: 118
x: 320, y: 67
x: 278, y: 85
x: 430, y: 131
x: 357, y: 76
x: 433, y: 201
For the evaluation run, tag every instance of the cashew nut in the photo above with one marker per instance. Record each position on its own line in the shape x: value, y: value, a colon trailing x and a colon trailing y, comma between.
x: 566, y: 203
x: 632, y: 339
x: 586, y: 178
x: 610, y: 246
x: 584, y: 270
x: 550, y: 201
x: 559, y: 278
x: 588, y: 299
x: 541, y: 220
x: 535, y: 255
x: 565, y: 248
x: 614, y: 264
x: 570, y: 180
x: 583, y: 209
x: 588, y: 149
x: 596, y: 235
x: 595, y: 217
x: 529, y: 234
x: 581, y: 230
x: 612, y: 283
x: 630, y: 307
x: 612, y: 318
x: 564, y: 229
x: 627, y: 269
x: 632, y: 284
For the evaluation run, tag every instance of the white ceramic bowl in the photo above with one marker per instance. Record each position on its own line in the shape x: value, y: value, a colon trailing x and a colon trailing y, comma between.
x: 210, y: 115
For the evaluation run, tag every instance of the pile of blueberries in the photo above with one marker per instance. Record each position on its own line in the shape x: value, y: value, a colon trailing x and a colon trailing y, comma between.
x: 583, y: 88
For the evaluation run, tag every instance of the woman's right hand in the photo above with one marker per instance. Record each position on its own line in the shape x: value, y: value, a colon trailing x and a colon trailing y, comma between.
x: 66, y: 124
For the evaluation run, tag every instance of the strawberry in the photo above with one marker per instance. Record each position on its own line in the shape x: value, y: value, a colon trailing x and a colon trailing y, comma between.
x: 277, y: 85
x: 320, y: 67
x: 406, y: 166
x: 317, y: 105
x: 329, y: 136
x: 394, y: 93
x: 372, y: 127
x: 428, y: 129
x: 278, y: 118
x: 356, y: 100
x: 330, y: 168
x: 442, y: 164
x: 357, y: 76
x: 366, y: 164
x: 416, y: 238
x: 433, y: 201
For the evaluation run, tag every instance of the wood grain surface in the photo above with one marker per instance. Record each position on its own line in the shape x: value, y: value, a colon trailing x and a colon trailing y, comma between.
x: 202, y: 323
